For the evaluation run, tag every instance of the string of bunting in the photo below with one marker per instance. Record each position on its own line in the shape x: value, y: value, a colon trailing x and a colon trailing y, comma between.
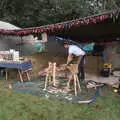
x: 60, y: 26
x: 63, y: 26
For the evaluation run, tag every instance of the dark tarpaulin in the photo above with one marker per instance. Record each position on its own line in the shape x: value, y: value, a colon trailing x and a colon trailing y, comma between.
x: 104, y: 32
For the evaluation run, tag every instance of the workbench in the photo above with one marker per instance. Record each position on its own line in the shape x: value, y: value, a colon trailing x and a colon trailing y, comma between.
x: 21, y: 66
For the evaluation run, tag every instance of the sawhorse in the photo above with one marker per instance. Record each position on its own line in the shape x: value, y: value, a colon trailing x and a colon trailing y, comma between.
x: 74, y: 76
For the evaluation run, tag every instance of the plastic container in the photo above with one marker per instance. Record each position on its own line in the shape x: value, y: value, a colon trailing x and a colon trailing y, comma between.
x: 16, y: 56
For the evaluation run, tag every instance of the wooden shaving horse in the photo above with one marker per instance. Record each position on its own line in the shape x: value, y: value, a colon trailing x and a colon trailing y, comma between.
x: 74, y: 76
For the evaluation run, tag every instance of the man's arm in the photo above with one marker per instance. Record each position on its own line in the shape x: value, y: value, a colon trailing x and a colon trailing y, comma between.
x: 69, y: 59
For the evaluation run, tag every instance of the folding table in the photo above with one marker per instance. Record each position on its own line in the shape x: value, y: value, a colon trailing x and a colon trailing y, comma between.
x: 21, y: 66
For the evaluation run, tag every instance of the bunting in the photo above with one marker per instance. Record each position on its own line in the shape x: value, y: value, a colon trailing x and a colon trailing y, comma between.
x: 59, y: 27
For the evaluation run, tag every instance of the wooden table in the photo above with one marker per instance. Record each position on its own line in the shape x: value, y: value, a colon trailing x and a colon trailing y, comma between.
x: 21, y: 66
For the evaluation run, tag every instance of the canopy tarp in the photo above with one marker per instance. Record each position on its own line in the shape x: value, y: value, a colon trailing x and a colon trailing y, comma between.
x: 8, y: 26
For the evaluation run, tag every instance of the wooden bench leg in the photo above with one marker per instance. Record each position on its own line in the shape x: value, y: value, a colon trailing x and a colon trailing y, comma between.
x: 28, y: 76
x: 20, y: 75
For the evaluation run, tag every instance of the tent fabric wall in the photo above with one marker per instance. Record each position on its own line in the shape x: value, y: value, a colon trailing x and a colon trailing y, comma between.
x: 53, y: 47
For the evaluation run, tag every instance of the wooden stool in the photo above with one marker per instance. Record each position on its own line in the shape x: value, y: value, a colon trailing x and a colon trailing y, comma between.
x: 74, y: 76
x: 51, y: 74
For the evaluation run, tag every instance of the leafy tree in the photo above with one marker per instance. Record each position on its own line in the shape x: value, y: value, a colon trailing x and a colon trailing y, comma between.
x: 29, y: 13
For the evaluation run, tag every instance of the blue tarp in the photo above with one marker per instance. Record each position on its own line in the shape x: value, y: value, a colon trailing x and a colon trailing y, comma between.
x: 89, y: 47
x: 40, y: 47
x: 85, y: 47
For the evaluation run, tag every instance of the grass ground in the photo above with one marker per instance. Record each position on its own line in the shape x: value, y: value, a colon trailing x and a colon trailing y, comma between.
x: 19, y: 106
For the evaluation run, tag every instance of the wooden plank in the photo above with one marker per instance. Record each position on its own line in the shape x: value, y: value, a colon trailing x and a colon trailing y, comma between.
x: 75, y: 86
x: 28, y: 76
x: 54, y: 73
x: 78, y: 83
x: 6, y: 74
x: 46, y: 81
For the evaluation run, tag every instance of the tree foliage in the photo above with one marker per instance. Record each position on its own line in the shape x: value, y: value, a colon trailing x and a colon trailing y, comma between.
x: 29, y: 13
